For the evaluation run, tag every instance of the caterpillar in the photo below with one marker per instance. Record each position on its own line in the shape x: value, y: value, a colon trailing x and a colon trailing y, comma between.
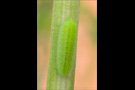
x: 66, y: 48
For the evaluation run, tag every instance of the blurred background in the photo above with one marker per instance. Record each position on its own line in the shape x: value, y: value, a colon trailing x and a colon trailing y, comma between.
x: 86, y: 62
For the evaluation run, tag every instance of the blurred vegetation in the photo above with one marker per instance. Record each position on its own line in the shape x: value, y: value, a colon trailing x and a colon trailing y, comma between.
x: 44, y: 13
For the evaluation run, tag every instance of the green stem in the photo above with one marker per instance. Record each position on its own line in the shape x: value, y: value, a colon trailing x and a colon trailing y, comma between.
x: 62, y: 9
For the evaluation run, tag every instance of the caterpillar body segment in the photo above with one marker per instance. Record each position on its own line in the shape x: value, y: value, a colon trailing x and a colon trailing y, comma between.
x: 67, y: 40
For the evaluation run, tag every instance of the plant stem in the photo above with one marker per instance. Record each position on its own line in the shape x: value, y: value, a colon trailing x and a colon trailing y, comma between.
x: 62, y: 9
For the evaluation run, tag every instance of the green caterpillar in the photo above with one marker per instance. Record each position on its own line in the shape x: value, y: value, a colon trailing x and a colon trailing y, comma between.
x: 66, y: 49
